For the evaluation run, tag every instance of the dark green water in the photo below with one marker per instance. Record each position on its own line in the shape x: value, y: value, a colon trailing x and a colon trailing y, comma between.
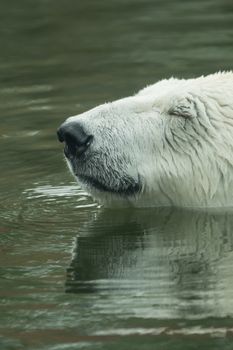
x: 72, y: 275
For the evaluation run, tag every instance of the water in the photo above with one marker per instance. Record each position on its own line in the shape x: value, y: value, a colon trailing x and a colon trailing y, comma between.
x: 73, y: 275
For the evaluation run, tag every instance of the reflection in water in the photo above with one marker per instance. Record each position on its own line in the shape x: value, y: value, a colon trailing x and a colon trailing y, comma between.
x: 166, y: 263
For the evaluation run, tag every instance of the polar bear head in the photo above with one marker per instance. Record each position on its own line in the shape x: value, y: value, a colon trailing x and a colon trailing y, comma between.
x: 170, y: 144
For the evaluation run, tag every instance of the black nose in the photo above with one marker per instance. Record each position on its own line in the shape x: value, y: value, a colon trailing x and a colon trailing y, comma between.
x: 76, y: 139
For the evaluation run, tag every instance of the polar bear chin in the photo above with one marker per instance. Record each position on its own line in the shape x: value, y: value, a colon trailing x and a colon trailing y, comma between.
x: 171, y: 144
x: 126, y: 188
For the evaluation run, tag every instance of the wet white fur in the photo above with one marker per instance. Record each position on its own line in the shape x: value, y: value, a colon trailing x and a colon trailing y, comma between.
x: 177, y: 135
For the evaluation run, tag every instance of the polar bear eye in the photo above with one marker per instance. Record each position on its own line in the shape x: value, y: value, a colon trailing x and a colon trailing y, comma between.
x: 181, y: 111
x: 186, y: 108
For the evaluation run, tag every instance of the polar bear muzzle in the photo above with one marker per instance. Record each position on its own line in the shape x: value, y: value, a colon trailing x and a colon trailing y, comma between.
x: 90, y: 166
x: 77, y: 141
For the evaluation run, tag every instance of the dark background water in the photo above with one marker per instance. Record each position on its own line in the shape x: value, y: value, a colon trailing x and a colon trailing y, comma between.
x: 72, y: 275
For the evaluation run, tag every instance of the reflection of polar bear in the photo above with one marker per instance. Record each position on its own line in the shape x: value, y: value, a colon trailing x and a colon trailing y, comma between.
x: 158, y: 262
x: 170, y: 144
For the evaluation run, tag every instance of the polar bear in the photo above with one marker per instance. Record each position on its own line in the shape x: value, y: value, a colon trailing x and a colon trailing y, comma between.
x: 171, y: 144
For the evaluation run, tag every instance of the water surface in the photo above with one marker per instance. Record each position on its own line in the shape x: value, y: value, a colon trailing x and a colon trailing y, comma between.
x: 74, y: 275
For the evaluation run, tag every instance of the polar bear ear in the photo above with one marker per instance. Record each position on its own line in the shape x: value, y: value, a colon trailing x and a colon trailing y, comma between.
x: 184, y: 108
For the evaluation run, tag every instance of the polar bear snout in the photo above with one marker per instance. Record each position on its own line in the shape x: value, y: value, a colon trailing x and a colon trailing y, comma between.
x: 75, y: 137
